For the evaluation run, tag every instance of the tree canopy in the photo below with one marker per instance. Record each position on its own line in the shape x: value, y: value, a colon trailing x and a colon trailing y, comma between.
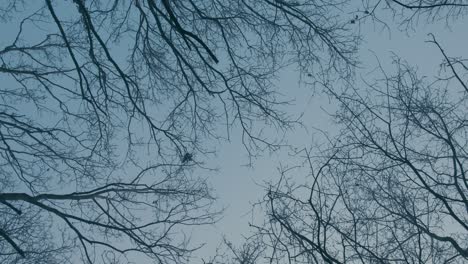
x: 109, y: 110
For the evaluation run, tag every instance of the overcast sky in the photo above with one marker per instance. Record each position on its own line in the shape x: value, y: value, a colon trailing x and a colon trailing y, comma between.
x: 238, y: 186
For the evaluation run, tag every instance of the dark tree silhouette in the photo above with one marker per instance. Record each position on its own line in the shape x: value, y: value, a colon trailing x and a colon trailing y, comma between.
x: 407, y: 15
x: 106, y: 106
x: 250, y: 252
x: 392, y: 187
x: 410, y: 13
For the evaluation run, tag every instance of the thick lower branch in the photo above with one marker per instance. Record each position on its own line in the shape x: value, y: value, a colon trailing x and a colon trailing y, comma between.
x: 11, y: 242
x: 18, y: 211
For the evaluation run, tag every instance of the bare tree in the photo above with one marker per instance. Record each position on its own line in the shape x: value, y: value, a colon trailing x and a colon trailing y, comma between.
x: 106, y: 106
x: 392, y: 187
x: 410, y: 13
x: 250, y: 252
x: 407, y: 15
